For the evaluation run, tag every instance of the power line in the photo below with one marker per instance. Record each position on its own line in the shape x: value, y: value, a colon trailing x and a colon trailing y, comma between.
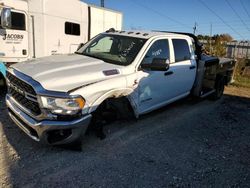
x: 218, y: 24
x: 237, y: 15
x: 211, y: 10
x: 162, y: 15
x: 241, y: 28
x: 228, y: 21
x: 244, y: 8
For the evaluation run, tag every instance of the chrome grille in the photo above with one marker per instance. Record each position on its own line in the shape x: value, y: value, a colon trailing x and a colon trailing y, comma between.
x: 23, y: 93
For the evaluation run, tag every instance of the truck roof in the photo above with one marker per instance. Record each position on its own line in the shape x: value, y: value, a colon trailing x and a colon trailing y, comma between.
x: 144, y: 34
x: 149, y: 34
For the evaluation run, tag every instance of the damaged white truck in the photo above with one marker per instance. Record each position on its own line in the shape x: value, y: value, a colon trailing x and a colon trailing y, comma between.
x: 54, y: 99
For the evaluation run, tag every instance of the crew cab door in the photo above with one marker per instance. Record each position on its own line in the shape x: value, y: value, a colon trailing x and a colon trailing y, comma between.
x: 158, y: 88
x: 183, y: 68
x: 152, y: 85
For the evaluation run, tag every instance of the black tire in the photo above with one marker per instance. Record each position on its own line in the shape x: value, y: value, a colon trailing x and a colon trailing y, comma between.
x: 3, y: 87
x: 219, y: 89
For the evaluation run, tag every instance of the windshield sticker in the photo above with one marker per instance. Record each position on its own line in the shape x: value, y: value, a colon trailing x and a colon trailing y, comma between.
x: 156, y: 53
x: 127, y: 51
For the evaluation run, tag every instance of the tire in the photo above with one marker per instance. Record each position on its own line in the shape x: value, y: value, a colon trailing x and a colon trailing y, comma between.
x: 219, y: 89
x: 3, y: 87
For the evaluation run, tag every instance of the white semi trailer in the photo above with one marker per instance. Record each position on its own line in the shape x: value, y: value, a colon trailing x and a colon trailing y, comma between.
x: 37, y: 28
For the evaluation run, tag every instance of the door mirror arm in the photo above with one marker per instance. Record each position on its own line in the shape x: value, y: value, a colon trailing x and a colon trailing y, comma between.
x: 158, y: 64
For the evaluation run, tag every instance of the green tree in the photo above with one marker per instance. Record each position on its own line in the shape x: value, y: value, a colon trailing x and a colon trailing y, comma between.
x: 218, y: 43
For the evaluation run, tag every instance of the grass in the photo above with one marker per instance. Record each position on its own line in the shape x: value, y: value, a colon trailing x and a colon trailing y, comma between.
x: 239, y: 79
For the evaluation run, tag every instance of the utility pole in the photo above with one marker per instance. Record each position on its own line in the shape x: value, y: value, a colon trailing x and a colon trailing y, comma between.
x: 102, y: 3
x: 210, y: 39
x: 248, y: 46
x: 195, y: 27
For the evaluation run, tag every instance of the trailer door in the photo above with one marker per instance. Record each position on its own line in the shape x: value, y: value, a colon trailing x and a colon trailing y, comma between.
x: 14, y: 41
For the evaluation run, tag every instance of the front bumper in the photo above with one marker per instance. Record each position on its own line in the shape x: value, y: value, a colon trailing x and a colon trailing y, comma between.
x: 43, y: 131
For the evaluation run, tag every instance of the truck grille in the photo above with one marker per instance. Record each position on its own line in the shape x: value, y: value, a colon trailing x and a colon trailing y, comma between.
x: 23, y: 93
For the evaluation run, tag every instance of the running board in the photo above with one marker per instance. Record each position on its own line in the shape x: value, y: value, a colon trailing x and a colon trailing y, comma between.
x: 207, y: 93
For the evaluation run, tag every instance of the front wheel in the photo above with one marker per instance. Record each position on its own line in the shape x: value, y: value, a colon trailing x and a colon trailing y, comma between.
x: 219, y: 89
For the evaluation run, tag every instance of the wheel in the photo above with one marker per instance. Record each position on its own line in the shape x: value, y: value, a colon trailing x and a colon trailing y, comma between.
x: 3, y: 87
x: 219, y: 89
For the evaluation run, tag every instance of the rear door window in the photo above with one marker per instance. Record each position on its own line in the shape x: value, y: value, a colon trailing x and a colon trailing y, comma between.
x: 181, y: 50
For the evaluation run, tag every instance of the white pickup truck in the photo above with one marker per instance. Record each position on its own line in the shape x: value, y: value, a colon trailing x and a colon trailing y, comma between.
x: 54, y: 99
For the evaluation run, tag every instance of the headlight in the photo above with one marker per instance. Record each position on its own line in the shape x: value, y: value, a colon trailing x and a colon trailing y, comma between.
x: 64, y: 106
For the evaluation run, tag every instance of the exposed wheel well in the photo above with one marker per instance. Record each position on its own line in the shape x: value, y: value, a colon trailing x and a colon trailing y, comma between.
x: 119, y: 107
x: 109, y: 111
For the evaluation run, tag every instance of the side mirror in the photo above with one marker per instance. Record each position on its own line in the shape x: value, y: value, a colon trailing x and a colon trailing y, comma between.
x: 79, y: 46
x: 157, y: 64
x: 6, y: 18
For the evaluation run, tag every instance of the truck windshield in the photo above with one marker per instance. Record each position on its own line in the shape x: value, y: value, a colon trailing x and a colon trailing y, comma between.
x: 17, y: 21
x: 115, y: 49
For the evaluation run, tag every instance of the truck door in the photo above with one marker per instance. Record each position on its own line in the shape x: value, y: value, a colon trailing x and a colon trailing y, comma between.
x: 158, y: 88
x: 153, y: 86
x: 14, y: 41
x: 183, y: 68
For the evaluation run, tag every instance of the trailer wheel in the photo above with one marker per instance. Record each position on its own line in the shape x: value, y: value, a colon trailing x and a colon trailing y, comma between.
x: 219, y: 89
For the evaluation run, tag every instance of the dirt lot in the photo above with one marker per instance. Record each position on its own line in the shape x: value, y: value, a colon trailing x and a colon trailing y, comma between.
x: 191, y: 143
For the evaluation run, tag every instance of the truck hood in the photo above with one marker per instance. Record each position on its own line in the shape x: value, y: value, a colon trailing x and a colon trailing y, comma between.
x: 67, y: 72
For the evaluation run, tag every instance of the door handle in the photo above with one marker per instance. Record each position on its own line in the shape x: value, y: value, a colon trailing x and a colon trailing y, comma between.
x: 192, y: 67
x: 168, y: 73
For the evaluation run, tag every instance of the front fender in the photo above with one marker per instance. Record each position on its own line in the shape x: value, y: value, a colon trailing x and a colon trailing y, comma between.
x: 115, y: 93
x: 96, y: 93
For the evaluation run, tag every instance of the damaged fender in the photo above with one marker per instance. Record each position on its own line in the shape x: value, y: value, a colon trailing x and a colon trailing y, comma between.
x: 116, y: 93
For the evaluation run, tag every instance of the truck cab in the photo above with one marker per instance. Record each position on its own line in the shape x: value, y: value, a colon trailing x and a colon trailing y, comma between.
x: 38, y: 28
x: 14, y: 40
x: 54, y: 99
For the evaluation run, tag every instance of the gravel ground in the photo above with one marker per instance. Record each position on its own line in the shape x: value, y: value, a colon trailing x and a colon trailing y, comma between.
x: 191, y: 143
